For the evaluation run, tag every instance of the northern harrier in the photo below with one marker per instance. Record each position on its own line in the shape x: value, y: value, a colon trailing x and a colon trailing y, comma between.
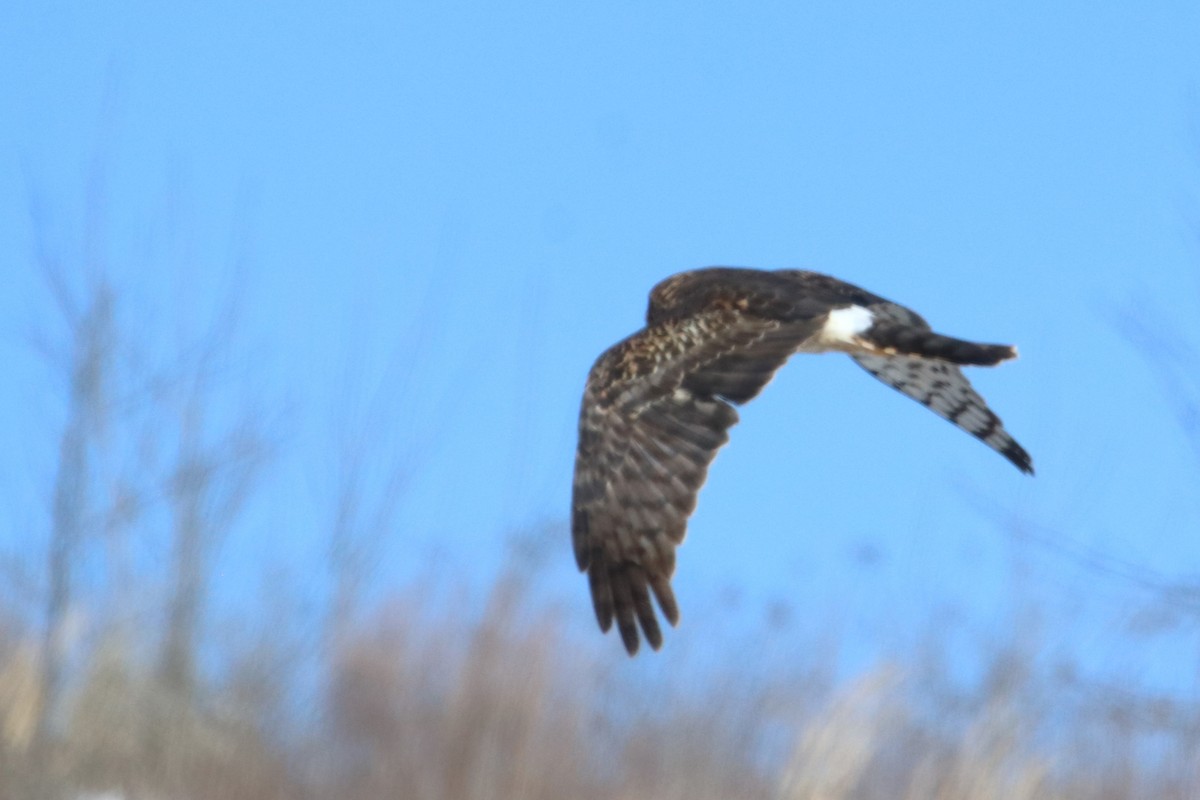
x: 659, y: 404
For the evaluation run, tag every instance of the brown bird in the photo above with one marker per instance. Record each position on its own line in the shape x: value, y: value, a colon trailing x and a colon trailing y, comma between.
x: 659, y: 405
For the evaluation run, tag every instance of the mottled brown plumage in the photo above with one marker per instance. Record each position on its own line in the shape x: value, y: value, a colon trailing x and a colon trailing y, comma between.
x: 659, y: 405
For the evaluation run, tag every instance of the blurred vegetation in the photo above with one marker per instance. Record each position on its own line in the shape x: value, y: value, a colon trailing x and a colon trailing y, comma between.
x: 418, y: 703
x: 112, y: 686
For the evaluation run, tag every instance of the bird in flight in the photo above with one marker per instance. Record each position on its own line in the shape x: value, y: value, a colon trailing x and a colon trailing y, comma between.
x: 659, y: 404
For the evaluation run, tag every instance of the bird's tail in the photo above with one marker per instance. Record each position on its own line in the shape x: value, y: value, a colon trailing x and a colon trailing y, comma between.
x: 907, y: 340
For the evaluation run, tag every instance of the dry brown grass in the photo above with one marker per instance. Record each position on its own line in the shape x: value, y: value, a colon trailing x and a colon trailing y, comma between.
x: 415, y: 703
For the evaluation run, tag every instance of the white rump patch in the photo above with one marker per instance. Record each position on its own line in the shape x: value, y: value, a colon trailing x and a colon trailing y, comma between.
x: 844, y: 324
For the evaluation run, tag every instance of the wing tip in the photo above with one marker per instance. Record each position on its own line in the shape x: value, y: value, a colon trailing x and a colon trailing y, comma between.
x: 1019, y: 457
x: 621, y: 594
x: 629, y: 637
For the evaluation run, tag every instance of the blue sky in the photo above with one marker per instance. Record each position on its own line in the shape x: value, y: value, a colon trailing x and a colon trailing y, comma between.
x: 480, y: 196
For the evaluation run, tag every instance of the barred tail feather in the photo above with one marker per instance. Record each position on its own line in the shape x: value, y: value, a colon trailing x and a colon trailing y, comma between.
x: 907, y: 340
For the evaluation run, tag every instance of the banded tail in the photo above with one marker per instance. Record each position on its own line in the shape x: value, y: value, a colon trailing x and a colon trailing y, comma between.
x: 907, y: 340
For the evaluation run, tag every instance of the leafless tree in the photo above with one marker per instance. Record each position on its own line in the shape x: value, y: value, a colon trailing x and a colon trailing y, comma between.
x: 209, y: 484
x: 89, y: 359
x: 84, y: 354
x: 121, y: 412
x: 365, y: 507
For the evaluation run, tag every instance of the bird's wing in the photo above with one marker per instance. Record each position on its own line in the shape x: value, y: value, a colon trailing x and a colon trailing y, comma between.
x: 936, y: 382
x: 656, y: 409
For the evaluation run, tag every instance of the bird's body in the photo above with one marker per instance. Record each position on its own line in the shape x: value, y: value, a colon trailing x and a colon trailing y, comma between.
x: 659, y: 404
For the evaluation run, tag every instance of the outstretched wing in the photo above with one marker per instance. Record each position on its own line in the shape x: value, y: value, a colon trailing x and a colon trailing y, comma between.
x: 656, y: 409
x: 937, y: 383
x: 943, y: 389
